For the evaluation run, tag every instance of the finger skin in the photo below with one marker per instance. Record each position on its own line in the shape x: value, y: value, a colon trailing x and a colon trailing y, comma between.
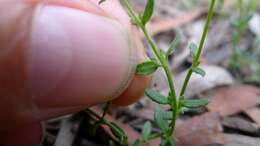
x: 61, y: 56
x: 30, y: 135
x: 136, y: 88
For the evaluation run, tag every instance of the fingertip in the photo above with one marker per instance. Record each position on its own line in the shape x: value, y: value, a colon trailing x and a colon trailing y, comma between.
x: 77, y: 58
x: 138, y: 84
x: 134, y: 92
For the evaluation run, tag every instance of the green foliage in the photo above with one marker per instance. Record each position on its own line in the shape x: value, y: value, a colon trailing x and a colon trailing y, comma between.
x: 160, y: 120
x: 251, y: 6
x: 194, y: 103
x: 93, y: 129
x: 165, y: 120
x: 194, y: 50
x: 167, y: 142
x: 240, y: 59
x: 183, y: 110
x: 118, y: 132
x: 156, y: 96
x: 146, y: 131
x: 199, y: 71
x: 147, y: 68
x: 167, y: 115
x: 173, y: 45
x: 148, y: 12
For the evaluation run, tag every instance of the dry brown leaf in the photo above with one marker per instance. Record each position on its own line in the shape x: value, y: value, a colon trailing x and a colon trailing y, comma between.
x: 200, y: 131
x: 215, y: 76
x: 239, y: 124
x: 254, y: 114
x: 169, y: 24
x: 234, y: 99
x: 240, y: 140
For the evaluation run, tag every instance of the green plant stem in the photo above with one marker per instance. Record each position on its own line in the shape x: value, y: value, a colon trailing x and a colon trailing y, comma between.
x: 241, y: 9
x: 165, y: 65
x: 101, y: 119
x: 241, y: 18
x: 93, y: 114
x: 131, y: 12
x: 161, y: 59
x: 198, y: 55
x: 166, y: 68
x: 106, y: 108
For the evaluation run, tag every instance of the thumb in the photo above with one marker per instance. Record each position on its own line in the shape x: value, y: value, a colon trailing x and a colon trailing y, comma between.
x: 20, y: 136
x: 58, y: 59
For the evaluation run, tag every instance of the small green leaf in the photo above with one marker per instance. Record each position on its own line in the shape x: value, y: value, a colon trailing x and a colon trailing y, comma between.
x: 159, y: 119
x: 156, y: 96
x: 118, y: 132
x: 199, y: 71
x: 173, y: 45
x: 162, y: 53
x: 93, y: 129
x: 147, y: 68
x: 195, y: 103
x: 194, y: 50
x: 148, y: 12
x: 146, y: 131
x: 183, y: 110
x: 167, y: 115
x: 116, y: 128
x: 167, y: 142
x: 137, y: 143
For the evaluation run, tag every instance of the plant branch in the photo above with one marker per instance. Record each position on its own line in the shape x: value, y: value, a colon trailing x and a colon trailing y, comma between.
x: 198, y: 55
x: 161, y: 59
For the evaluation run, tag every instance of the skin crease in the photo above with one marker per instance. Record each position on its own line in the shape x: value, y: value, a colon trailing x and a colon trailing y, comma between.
x: 34, y: 88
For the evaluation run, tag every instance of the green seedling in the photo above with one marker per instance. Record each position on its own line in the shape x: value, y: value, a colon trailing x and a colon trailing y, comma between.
x: 164, y: 120
x: 239, y: 58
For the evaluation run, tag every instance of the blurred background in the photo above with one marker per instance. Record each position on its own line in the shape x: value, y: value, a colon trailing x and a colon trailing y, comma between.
x: 231, y: 59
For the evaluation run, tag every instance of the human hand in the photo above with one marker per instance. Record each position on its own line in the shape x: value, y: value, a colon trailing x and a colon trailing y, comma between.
x: 59, y: 57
